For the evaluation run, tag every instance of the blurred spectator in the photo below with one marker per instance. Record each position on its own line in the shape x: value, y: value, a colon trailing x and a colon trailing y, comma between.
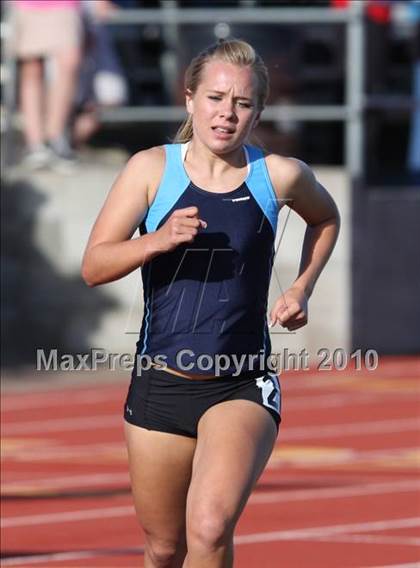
x: 387, y: 20
x: 413, y: 160
x: 102, y: 82
x: 378, y: 13
x: 47, y: 31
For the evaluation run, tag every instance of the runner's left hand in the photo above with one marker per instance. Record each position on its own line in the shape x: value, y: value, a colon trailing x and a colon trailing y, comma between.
x: 290, y: 310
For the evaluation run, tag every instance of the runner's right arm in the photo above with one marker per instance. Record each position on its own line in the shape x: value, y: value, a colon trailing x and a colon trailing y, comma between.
x: 111, y: 252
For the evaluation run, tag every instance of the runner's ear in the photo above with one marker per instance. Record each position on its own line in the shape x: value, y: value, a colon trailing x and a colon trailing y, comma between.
x: 257, y: 119
x: 189, y: 103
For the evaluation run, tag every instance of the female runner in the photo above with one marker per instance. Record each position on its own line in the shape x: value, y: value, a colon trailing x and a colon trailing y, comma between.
x: 203, y: 408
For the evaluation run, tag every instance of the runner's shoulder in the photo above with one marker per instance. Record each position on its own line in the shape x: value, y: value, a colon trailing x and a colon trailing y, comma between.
x: 288, y: 173
x: 150, y: 158
x: 146, y: 167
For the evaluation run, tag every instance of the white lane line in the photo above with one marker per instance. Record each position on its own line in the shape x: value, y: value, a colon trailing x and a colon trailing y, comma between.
x: 58, y: 399
x: 372, y: 539
x: 402, y: 457
x: 52, y: 451
x: 63, y: 424
x: 315, y: 381
x: 53, y: 557
x: 63, y: 556
x: 409, y: 565
x: 329, y: 530
x: 337, y: 400
x: 70, y: 516
x: 388, y: 453
x: 66, y: 482
x: 405, y: 486
x: 349, y: 429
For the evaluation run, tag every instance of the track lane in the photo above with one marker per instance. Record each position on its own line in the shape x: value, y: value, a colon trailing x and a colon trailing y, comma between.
x: 355, y: 465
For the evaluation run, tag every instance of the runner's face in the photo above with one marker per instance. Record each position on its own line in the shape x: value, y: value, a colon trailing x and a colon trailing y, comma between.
x: 224, y: 107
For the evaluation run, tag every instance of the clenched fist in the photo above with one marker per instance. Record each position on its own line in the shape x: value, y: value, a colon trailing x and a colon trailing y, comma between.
x: 290, y: 310
x: 181, y: 227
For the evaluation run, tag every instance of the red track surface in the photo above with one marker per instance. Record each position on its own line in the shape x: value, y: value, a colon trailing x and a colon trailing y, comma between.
x: 341, y: 488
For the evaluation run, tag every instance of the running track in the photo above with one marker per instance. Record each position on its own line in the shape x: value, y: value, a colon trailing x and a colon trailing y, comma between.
x: 341, y: 488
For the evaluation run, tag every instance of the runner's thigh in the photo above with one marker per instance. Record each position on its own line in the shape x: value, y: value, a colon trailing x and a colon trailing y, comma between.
x: 160, y: 470
x: 235, y: 440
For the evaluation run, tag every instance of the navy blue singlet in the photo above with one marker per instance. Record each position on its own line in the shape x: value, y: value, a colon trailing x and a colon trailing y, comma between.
x: 210, y: 296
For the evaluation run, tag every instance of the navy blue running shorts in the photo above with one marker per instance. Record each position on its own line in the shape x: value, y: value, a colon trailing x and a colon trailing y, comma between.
x: 159, y: 400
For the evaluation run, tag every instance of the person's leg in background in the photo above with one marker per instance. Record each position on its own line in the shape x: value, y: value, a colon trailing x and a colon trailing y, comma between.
x: 86, y: 124
x: 60, y: 97
x: 31, y: 105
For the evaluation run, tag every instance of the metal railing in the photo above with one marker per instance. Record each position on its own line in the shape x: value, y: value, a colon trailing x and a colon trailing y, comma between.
x: 171, y: 16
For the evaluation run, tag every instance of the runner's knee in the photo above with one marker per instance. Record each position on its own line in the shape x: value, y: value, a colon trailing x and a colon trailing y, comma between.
x: 208, y: 529
x: 162, y: 553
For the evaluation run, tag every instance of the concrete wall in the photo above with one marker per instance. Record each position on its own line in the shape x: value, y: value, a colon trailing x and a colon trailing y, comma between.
x: 386, y: 270
x: 61, y: 211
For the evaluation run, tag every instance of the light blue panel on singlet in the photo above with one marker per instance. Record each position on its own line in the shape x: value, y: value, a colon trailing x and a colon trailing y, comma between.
x: 259, y: 184
x: 174, y: 183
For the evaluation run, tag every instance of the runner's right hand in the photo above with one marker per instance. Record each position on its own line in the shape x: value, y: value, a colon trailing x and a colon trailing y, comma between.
x: 181, y: 227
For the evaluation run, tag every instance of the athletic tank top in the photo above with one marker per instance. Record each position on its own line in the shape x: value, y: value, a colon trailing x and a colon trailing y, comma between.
x: 208, y: 299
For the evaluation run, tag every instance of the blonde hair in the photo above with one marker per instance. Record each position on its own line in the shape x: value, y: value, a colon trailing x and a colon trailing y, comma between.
x: 234, y: 51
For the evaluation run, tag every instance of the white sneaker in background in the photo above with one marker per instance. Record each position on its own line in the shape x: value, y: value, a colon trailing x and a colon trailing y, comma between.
x: 63, y: 157
x: 37, y: 157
